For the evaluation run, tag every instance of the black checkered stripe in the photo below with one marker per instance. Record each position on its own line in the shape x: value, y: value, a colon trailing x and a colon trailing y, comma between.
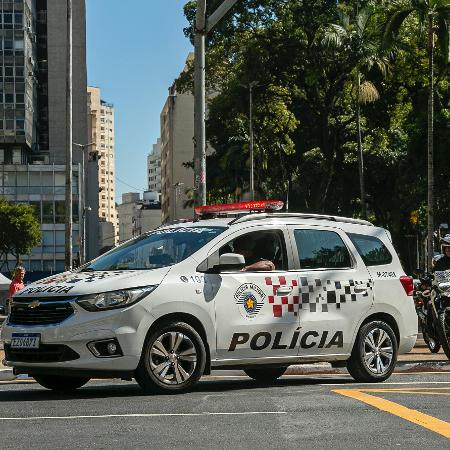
x: 321, y: 295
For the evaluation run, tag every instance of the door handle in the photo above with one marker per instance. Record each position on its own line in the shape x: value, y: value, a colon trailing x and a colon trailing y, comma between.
x: 360, y: 290
x: 285, y: 290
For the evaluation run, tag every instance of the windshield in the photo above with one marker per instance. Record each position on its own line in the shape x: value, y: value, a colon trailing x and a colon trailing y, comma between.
x: 160, y: 248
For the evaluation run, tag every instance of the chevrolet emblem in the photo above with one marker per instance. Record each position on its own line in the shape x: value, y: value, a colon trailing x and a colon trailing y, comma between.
x: 34, y: 304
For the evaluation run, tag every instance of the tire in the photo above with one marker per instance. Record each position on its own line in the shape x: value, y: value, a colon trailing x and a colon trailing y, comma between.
x: 367, y: 363
x: 265, y: 375
x: 173, y: 359
x: 444, y: 331
x: 432, y: 344
x: 60, y: 383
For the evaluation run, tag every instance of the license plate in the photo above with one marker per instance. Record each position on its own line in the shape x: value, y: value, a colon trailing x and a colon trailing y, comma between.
x: 25, y: 340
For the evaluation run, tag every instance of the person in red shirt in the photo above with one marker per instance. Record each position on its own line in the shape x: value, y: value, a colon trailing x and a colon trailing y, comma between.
x: 17, y: 282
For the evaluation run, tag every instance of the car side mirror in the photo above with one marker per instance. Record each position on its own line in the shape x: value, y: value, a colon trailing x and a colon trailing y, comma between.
x: 231, y: 260
x: 216, y: 263
x: 2, y: 311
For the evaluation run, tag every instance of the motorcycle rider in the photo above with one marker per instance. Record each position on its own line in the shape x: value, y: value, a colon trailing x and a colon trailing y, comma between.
x: 443, y: 263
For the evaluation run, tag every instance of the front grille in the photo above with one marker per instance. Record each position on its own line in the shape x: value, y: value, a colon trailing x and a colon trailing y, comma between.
x: 46, y: 353
x: 40, y: 314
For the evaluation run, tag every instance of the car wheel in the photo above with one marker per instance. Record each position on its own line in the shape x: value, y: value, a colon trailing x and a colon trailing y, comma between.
x: 265, y: 375
x: 60, y: 383
x: 374, y: 354
x: 173, y: 359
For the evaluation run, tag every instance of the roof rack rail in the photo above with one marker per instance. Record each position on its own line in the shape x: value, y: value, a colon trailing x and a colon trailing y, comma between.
x: 262, y: 216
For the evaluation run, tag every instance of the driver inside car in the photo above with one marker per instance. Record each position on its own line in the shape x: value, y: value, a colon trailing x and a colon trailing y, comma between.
x: 246, y: 246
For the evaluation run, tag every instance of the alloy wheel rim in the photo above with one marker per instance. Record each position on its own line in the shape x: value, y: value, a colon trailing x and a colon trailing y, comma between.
x: 173, y: 358
x: 378, y: 351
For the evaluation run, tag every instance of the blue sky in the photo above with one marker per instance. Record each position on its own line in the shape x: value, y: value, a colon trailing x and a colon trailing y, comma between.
x: 135, y: 51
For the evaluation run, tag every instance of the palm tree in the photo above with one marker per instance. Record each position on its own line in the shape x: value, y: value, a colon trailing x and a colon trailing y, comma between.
x: 434, y: 16
x: 359, y: 41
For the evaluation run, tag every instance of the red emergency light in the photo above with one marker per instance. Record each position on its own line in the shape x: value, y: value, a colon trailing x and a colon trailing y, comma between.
x: 244, y: 207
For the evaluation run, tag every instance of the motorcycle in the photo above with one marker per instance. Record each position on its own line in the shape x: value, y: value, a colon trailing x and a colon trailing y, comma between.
x: 440, y: 308
x: 422, y: 295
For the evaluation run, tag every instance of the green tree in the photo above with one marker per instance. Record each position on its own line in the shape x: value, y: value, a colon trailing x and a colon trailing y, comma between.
x: 359, y: 37
x: 19, y: 231
x: 433, y: 16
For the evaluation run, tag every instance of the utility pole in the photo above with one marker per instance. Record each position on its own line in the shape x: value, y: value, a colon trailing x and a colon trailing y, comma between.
x: 84, y: 208
x: 202, y: 27
x: 68, y: 222
x: 200, y: 104
x: 430, y: 150
x: 252, y: 159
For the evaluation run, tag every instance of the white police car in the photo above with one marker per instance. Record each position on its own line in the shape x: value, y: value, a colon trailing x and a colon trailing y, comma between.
x: 174, y: 304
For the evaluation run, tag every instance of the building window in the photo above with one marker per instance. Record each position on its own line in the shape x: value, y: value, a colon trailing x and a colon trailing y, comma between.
x: 60, y: 211
x: 47, y: 212
x: 18, y: 44
x: 17, y: 156
x: 18, y: 19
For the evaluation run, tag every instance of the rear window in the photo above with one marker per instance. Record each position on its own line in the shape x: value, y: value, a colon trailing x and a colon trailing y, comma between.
x: 373, y: 252
x: 318, y: 249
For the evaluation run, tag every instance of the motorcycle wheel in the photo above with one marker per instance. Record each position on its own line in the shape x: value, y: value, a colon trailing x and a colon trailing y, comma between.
x: 444, y: 331
x: 432, y: 344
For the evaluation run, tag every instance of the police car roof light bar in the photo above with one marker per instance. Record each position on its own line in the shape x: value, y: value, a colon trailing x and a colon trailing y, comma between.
x: 242, y: 207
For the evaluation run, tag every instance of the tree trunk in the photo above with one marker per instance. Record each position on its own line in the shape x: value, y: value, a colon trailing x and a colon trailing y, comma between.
x: 360, y: 152
x: 430, y: 208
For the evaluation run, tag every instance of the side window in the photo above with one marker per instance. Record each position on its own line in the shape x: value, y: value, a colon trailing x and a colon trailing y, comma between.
x: 318, y: 249
x: 373, y: 252
x: 259, y: 245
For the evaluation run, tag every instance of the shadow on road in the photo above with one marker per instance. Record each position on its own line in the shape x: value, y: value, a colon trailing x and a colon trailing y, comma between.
x: 33, y: 392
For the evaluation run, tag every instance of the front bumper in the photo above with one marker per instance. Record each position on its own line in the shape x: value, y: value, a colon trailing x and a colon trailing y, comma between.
x: 128, y: 326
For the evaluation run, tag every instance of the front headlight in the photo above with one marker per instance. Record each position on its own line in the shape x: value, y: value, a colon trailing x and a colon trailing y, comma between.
x: 114, y: 299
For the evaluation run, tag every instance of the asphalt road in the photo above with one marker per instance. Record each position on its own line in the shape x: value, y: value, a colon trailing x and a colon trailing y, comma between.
x: 314, y: 412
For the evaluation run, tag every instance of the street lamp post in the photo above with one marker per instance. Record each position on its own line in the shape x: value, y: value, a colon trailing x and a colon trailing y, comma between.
x: 202, y: 27
x: 82, y: 177
x: 68, y: 190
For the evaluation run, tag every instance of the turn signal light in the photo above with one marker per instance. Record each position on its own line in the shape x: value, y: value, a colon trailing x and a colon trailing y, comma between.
x: 408, y: 284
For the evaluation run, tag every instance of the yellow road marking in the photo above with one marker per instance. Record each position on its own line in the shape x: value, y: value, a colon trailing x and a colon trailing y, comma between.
x: 414, y: 392
x: 405, y: 389
x: 424, y: 420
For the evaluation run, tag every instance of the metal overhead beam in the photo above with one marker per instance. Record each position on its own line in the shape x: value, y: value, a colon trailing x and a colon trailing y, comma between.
x: 217, y: 15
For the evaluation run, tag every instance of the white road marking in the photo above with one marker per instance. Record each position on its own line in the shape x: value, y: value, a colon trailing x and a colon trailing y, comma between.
x: 385, y: 384
x: 107, y: 416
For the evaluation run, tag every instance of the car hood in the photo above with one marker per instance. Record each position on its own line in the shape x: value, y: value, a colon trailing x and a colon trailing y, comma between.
x: 82, y: 283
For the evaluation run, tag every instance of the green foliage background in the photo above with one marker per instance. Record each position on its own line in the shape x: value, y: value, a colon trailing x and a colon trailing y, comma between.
x: 304, y: 113
x: 19, y: 231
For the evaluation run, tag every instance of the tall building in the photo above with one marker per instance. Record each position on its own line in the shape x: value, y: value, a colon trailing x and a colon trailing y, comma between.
x: 177, y: 149
x: 102, y: 136
x: 137, y: 216
x: 33, y: 122
x: 154, y: 168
